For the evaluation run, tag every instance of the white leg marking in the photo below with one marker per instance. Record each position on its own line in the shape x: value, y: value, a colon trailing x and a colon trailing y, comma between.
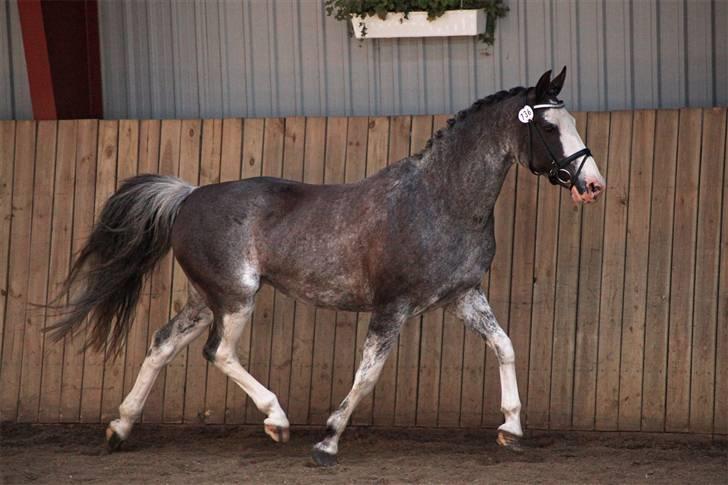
x: 474, y: 310
x: 374, y: 355
x: 157, y: 357
x: 226, y: 359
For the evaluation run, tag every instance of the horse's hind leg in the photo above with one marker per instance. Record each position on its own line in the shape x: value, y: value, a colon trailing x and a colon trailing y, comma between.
x: 382, y: 334
x: 167, y: 342
x: 221, y: 350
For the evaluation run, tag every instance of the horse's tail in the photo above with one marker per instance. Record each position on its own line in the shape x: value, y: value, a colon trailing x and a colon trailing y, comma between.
x: 132, y: 234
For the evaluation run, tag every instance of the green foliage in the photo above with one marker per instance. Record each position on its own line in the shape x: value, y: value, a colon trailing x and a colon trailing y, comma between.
x: 346, y: 9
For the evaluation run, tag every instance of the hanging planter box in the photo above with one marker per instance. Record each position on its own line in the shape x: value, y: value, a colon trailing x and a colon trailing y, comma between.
x: 451, y: 23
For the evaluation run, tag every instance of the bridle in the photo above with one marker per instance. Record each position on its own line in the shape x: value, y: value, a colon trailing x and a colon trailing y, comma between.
x: 557, y: 173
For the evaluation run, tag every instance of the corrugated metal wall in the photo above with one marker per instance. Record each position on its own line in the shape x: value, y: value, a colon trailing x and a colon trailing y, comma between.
x: 14, y: 88
x: 189, y: 59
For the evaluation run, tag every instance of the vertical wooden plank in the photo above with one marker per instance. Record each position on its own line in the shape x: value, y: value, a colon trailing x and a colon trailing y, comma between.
x: 260, y: 348
x: 408, y: 352
x: 346, y: 322
x: 285, y: 307
x: 451, y: 358
x: 567, y: 280
x: 7, y: 151
x: 33, y: 318
x: 377, y: 144
x: 590, y: 277
x: 303, y: 333
x: 720, y: 420
x: 59, y: 241
x: 184, y: 386
x: 451, y: 368
x: 149, y: 140
x: 210, y: 168
x: 60, y: 256
x: 232, y: 149
x: 161, y: 279
x: 635, y: 271
x: 610, y: 315
x: 473, y: 371
x: 471, y: 402
x: 386, y: 390
x: 659, y: 262
x: 114, y: 368
x: 707, y: 251
x: 251, y: 165
x: 499, y: 290
x: 542, y: 317
x: 522, y: 276
x: 325, y: 331
x: 93, y: 364
x: 682, y: 278
x: 83, y: 218
x: 22, y: 211
x: 133, y: 143
x: 230, y: 166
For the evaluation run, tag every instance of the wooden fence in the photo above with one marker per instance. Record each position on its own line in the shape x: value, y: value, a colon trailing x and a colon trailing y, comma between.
x: 618, y: 311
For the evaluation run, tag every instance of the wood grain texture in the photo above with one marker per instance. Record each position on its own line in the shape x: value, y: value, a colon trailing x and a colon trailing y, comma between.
x: 682, y: 276
x: 617, y: 310
x: 635, y: 271
x: 612, y: 285
x: 657, y: 313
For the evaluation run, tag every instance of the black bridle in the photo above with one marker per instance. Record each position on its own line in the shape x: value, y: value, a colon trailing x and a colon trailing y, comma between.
x: 557, y: 173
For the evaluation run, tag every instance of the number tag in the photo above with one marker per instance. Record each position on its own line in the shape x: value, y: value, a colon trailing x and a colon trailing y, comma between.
x: 526, y: 114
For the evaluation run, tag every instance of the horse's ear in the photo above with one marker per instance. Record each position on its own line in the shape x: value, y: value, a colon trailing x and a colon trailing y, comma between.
x: 557, y: 83
x: 542, y: 86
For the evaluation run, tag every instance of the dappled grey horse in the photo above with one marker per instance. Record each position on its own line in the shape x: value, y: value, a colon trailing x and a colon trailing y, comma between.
x: 415, y: 236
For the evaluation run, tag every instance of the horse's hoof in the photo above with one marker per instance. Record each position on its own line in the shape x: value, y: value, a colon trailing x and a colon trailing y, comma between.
x: 323, y: 458
x: 509, y: 441
x: 113, y: 440
x: 279, y: 434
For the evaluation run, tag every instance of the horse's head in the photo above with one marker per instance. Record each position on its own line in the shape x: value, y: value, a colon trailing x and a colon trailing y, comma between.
x: 554, y: 147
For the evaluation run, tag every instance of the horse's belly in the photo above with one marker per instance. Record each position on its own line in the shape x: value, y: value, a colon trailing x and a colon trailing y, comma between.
x: 336, y: 292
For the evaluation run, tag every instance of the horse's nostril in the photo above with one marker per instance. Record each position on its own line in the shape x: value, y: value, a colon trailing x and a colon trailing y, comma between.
x: 594, y: 188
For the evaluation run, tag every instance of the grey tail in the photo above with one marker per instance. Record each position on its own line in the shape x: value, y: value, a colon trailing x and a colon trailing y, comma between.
x: 132, y: 234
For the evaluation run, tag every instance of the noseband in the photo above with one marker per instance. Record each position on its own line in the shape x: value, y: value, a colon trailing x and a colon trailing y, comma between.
x: 558, y: 173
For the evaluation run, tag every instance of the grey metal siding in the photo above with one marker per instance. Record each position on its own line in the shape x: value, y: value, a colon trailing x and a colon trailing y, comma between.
x: 214, y: 58
x: 14, y: 88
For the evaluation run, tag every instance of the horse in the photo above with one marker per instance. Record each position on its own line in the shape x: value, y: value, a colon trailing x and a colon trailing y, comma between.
x: 417, y: 235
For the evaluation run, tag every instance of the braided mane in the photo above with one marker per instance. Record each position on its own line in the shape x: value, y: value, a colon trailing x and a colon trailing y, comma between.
x: 474, y: 108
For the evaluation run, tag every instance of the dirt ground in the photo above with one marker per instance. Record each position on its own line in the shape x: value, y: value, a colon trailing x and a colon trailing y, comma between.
x: 177, y: 455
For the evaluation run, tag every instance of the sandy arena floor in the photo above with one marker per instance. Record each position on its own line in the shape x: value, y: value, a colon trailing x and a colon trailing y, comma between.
x: 176, y: 455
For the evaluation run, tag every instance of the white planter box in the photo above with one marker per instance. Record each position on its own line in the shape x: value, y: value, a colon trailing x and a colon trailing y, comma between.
x: 451, y: 23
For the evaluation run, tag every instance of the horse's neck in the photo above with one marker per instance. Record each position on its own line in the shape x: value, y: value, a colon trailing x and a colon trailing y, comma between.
x: 467, y: 173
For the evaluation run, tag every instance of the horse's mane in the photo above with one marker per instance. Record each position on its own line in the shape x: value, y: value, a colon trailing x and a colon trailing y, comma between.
x: 474, y: 108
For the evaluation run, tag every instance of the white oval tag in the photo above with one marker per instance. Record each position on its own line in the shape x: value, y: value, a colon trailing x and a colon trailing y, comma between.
x: 525, y: 114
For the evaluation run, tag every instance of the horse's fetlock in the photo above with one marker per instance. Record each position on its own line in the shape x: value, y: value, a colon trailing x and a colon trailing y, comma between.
x: 128, y: 413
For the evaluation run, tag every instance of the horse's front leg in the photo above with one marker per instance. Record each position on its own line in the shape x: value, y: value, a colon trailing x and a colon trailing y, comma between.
x: 474, y: 310
x: 382, y: 334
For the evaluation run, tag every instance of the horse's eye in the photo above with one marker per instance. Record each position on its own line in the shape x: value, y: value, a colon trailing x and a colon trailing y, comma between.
x: 549, y: 128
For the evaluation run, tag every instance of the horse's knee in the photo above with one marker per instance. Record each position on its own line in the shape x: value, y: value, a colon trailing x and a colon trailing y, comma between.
x: 504, y: 349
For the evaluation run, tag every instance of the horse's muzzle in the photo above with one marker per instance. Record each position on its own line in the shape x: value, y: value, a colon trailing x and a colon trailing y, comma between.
x: 589, y: 189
